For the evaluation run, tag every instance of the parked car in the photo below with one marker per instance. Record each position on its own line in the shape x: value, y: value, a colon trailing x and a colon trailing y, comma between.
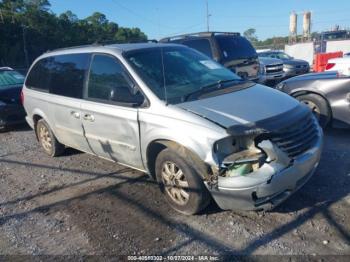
x: 271, y: 71
x: 229, y: 49
x: 341, y: 65
x: 11, y: 109
x: 172, y: 112
x: 291, y: 66
x: 327, y: 94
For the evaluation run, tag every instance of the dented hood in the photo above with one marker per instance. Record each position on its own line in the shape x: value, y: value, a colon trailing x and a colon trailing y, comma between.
x: 244, y: 107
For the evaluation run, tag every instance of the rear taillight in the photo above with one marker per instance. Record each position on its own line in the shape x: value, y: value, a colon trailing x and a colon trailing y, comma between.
x: 22, y: 97
x: 330, y: 66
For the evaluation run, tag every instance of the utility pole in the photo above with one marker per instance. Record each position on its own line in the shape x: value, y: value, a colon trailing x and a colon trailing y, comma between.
x: 25, y: 45
x: 208, y: 15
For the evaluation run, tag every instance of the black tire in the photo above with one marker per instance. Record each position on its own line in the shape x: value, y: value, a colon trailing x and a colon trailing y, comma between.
x: 199, y: 196
x: 55, y: 148
x: 318, y: 106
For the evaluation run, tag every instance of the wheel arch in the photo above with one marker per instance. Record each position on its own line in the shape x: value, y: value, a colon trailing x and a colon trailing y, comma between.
x: 36, y: 116
x: 156, y: 146
x: 297, y: 93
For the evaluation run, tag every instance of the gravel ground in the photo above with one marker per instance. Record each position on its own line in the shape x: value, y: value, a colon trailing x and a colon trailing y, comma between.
x: 78, y: 204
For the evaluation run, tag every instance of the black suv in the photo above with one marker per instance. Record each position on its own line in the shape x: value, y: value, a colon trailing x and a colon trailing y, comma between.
x: 11, y: 109
x: 229, y: 49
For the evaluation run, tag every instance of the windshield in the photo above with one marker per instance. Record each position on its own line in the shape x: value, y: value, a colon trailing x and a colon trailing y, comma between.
x: 183, y: 71
x: 235, y: 48
x: 278, y: 55
x: 10, y: 78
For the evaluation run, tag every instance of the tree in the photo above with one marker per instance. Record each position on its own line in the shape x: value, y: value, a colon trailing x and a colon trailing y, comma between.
x: 250, y: 35
x: 68, y: 16
x: 28, y: 27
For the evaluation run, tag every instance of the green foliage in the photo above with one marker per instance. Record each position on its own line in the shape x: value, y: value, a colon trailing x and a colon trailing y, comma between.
x: 250, y: 35
x: 273, y: 43
x: 28, y: 28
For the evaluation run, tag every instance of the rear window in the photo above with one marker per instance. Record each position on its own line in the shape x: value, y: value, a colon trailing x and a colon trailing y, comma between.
x: 62, y: 75
x: 39, y: 76
x: 10, y: 78
x: 235, y: 47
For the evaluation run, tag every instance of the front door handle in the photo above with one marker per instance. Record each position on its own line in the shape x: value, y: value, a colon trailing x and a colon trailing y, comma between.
x: 89, y: 117
x: 75, y: 114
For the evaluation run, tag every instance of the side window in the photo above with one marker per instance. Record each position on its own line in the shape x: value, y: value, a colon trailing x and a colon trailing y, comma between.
x: 108, y: 81
x: 68, y: 74
x: 39, y: 76
x: 201, y: 45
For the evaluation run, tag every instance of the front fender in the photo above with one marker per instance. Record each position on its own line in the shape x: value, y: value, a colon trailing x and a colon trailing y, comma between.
x: 201, y: 146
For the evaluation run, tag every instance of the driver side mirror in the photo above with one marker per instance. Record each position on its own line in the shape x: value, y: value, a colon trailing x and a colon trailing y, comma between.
x: 123, y: 94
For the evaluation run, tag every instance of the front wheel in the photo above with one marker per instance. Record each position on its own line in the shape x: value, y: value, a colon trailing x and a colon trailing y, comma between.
x: 319, y: 107
x: 179, y: 182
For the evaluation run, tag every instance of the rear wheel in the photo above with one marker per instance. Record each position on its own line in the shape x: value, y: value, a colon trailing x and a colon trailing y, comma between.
x: 319, y: 107
x: 180, y: 183
x: 47, y: 139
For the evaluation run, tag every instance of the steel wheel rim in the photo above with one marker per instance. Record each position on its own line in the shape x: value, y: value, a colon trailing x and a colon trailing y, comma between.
x: 175, y: 183
x: 314, y: 108
x: 45, y: 138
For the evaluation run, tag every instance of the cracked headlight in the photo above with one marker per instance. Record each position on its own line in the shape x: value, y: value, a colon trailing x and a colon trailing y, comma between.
x: 238, y: 155
x: 225, y: 146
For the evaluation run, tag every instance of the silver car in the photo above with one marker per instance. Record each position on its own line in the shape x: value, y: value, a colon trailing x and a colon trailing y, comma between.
x: 172, y: 112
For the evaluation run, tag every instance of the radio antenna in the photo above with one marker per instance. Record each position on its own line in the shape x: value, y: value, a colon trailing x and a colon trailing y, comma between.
x: 164, y: 82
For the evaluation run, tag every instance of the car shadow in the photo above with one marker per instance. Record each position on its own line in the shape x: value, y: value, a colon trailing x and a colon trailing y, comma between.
x: 17, y: 128
x: 71, y: 152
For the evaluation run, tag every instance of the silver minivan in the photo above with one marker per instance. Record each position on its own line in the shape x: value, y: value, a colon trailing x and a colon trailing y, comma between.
x: 174, y: 113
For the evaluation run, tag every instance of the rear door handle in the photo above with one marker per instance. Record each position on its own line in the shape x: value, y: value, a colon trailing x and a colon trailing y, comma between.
x: 89, y: 117
x: 75, y: 114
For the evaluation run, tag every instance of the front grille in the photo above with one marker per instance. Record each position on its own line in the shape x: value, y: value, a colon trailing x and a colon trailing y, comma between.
x: 297, y: 138
x: 270, y: 69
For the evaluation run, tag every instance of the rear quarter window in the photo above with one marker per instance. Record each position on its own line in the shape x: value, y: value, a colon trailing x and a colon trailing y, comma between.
x: 39, y: 76
x: 61, y: 75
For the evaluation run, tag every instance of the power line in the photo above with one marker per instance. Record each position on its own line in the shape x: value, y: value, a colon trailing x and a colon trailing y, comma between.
x: 140, y: 16
x: 183, y: 31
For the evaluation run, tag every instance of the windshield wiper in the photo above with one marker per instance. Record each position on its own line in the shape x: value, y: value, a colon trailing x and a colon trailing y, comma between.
x: 216, y: 85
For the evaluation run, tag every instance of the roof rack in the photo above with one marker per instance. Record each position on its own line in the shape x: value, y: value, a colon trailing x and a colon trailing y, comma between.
x: 73, y: 47
x: 103, y: 43
x: 207, y: 34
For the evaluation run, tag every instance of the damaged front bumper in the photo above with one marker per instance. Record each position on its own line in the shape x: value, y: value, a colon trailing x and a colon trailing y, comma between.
x: 269, y: 186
